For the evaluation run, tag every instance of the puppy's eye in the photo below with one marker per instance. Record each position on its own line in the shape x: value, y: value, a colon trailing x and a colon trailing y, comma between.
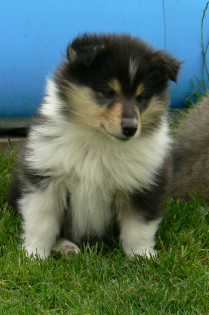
x: 142, y: 101
x: 109, y: 94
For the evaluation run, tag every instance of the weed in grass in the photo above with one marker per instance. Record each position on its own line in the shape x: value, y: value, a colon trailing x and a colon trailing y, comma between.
x: 203, y: 84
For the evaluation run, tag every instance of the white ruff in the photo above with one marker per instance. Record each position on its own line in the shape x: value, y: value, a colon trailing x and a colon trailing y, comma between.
x: 90, y: 165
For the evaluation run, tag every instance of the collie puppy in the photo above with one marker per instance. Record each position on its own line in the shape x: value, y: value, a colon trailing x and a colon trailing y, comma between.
x: 95, y: 160
x: 190, y: 155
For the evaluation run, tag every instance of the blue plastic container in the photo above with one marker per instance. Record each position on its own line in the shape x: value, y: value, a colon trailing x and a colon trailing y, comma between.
x: 34, y: 33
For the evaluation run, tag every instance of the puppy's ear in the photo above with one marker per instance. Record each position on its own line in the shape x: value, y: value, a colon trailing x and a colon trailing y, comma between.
x: 168, y: 64
x: 84, y: 49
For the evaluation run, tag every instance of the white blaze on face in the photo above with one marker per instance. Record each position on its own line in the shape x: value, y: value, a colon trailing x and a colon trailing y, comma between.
x: 133, y: 67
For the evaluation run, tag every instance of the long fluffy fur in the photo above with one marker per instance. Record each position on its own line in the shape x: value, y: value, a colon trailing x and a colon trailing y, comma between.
x: 95, y: 160
x: 190, y: 155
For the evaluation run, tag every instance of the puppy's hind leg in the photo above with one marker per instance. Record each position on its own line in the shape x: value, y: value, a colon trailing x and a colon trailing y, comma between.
x: 42, y: 212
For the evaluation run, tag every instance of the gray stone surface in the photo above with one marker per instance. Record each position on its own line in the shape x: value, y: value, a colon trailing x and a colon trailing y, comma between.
x: 13, y: 123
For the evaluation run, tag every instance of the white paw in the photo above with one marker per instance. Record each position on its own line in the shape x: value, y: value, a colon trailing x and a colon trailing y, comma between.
x: 145, y: 252
x: 65, y: 247
x: 35, y: 252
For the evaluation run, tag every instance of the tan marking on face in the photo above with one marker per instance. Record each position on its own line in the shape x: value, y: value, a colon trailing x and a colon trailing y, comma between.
x: 139, y: 120
x: 83, y: 105
x: 86, y: 111
x: 155, y: 108
x: 112, y: 119
x: 115, y: 85
x: 72, y: 55
x: 139, y: 89
x: 115, y: 112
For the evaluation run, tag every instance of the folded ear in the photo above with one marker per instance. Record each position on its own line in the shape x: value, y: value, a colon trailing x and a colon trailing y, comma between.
x: 168, y: 64
x: 84, y: 49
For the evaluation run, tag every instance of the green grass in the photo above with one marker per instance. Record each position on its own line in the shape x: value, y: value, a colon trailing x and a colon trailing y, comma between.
x: 102, y: 280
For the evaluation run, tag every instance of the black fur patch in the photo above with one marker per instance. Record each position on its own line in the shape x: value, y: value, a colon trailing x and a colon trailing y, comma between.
x: 67, y: 221
x: 14, y: 191
x: 35, y: 179
x: 22, y: 180
x: 149, y: 202
x: 96, y: 59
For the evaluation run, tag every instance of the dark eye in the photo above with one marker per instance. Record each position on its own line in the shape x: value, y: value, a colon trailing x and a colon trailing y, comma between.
x: 142, y: 101
x: 109, y: 94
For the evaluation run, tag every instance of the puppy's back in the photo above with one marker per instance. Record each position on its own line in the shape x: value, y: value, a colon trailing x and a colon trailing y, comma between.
x: 190, y: 155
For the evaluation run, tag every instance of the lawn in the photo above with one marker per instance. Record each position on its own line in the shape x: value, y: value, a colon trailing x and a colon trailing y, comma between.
x: 102, y: 280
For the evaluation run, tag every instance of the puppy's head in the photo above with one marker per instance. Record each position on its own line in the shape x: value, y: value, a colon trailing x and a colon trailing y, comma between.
x: 115, y: 84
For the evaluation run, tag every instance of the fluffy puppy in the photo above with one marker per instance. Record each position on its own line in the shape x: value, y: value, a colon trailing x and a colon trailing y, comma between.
x: 95, y: 157
x: 190, y: 155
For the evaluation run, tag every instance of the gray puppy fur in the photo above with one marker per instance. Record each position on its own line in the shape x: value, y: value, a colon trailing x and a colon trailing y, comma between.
x: 190, y: 155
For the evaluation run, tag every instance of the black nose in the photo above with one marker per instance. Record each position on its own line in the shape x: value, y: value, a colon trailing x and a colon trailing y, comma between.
x: 129, y: 129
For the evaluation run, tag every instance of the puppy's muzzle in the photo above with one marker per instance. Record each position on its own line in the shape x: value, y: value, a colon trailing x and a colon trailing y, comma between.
x: 129, y: 129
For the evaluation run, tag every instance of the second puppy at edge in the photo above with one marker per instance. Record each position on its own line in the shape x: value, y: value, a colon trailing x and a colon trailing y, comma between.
x: 190, y: 155
x: 95, y: 160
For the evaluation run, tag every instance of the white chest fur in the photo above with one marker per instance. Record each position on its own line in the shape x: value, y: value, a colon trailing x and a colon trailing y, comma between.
x: 94, y: 168
x: 90, y: 210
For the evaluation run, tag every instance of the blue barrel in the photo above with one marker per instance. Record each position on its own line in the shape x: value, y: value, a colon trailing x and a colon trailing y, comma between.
x: 34, y: 33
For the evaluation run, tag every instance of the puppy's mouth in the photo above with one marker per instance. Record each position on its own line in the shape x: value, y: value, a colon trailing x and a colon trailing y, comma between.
x: 115, y: 137
x: 121, y: 138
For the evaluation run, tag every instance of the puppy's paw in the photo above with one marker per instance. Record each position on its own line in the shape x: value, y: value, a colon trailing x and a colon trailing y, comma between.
x: 32, y: 251
x: 145, y: 252
x: 65, y: 247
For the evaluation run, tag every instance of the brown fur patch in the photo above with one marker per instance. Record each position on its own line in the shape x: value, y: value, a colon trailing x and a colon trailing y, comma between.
x: 115, y: 85
x: 86, y: 110
x: 81, y: 98
x: 139, y: 89
x: 112, y: 119
x: 139, y: 118
x: 72, y: 55
x: 115, y: 112
x: 154, y: 110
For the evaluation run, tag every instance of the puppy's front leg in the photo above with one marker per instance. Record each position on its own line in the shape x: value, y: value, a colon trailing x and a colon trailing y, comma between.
x: 42, y: 212
x: 137, y: 233
x: 138, y: 236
